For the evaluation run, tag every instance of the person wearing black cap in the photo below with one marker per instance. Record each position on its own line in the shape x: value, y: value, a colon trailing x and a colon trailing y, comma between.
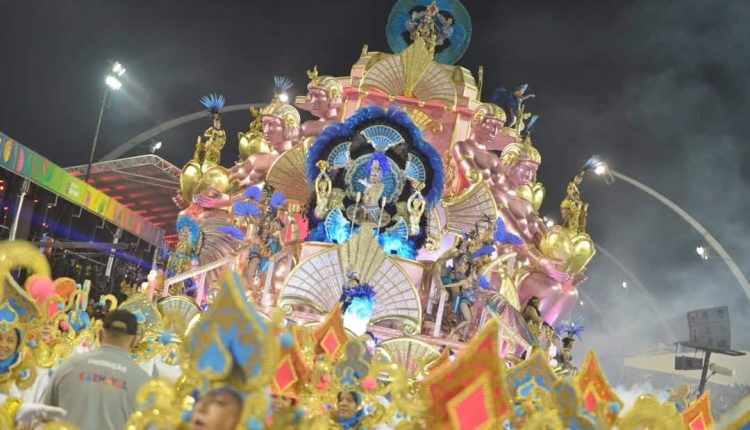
x: 98, y: 388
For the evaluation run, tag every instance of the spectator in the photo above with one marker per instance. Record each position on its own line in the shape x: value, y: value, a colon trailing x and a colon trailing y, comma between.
x: 98, y: 388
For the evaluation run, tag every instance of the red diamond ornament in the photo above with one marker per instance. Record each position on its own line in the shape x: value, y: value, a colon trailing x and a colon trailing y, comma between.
x: 471, y: 413
x: 285, y: 374
x: 330, y: 343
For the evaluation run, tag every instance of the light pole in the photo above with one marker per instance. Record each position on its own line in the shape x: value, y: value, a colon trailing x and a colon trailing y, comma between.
x: 112, y: 83
x: 603, y: 170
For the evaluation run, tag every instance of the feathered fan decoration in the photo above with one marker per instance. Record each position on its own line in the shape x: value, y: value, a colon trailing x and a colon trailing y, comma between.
x: 481, y: 252
x: 246, y: 209
x: 232, y: 231
x: 277, y: 200
x: 502, y: 235
x: 253, y: 193
x: 213, y: 102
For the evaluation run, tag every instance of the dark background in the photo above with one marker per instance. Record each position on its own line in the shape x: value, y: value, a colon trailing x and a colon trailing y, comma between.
x: 658, y: 88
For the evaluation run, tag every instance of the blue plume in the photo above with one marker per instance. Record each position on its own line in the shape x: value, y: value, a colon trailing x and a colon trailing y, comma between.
x: 436, y: 189
x: 485, y: 250
x: 592, y: 162
x: 281, y: 84
x: 362, y: 291
x: 232, y: 231
x: 213, y: 102
x: 571, y: 328
x: 484, y: 283
x: 277, y: 200
x: 502, y: 235
x: 253, y: 193
x: 532, y: 121
x: 246, y: 209
x: 362, y: 300
x: 315, y: 153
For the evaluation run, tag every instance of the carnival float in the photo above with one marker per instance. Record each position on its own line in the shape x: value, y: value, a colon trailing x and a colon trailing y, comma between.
x: 390, y: 247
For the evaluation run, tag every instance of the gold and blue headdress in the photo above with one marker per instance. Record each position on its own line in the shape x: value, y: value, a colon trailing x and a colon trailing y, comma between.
x: 18, y: 311
x: 233, y: 347
x: 193, y: 229
x: 17, y: 368
x: 213, y: 103
x: 281, y: 109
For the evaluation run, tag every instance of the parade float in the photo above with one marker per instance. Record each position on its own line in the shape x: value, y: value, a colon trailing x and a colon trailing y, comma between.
x: 406, y: 181
x: 390, y: 247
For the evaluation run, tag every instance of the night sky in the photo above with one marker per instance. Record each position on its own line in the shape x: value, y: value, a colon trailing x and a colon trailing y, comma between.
x: 659, y: 89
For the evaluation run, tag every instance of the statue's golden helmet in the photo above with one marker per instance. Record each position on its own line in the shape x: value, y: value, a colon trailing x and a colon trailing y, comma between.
x: 488, y: 110
x: 520, y: 151
x: 329, y: 84
x: 288, y: 114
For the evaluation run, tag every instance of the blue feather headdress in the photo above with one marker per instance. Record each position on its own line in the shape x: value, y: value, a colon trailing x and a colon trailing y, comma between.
x: 570, y: 328
x: 363, y: 291
x: 213, y: 102
x: 281, y: 84
x: 592, y: 163
x: 194, y: 231
x: 362, y: 300
x: 348, y: 128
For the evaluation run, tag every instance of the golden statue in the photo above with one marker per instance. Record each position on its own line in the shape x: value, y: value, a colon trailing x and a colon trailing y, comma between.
x: 208, y: 151
x: 574, y: 211
x: 323, y: 189
x: 416, y: 205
